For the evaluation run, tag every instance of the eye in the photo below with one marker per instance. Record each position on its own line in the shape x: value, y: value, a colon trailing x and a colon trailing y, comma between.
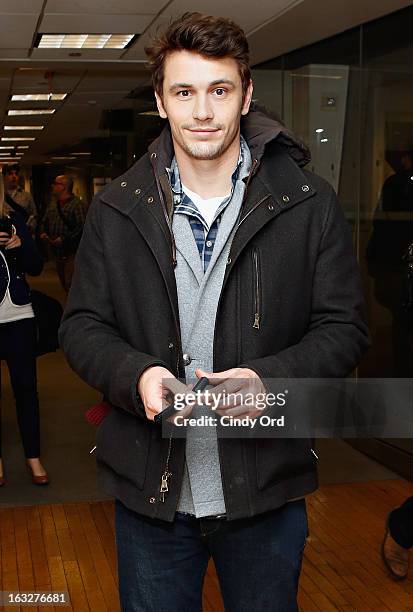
x: 184, y: 93
x: 220, y: 91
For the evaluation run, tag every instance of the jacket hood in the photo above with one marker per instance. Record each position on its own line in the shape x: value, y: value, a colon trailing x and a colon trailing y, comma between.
x: 259, y: 128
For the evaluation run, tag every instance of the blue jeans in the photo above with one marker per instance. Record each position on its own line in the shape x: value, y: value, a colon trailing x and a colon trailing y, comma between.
x: 258, y: 560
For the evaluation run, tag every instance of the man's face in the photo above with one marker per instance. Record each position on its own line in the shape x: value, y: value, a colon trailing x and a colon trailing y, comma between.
x: 202, y: 99
x: 11, y: 180
x: 58, y: 186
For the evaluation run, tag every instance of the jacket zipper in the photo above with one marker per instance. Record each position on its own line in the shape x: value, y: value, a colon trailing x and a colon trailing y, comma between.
x: 253, y: 208
x: 164, y: 485
x: 257, y: 289
x: 164, y: 210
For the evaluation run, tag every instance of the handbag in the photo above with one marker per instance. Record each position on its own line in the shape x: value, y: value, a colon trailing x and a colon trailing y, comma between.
x: 48, y: 314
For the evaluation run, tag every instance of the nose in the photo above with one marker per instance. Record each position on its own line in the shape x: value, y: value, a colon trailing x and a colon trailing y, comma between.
x: 202, y: 108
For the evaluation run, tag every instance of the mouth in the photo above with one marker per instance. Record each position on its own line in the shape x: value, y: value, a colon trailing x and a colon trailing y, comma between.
x: 204, y: 131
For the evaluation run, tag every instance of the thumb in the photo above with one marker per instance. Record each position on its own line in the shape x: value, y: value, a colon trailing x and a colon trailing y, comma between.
x: 201, y: 373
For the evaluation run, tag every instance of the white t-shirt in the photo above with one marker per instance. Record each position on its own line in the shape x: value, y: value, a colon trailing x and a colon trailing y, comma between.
x: 208, y: 207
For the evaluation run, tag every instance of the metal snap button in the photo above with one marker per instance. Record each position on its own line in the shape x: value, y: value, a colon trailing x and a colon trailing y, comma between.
x: 123, y: 184
x: 229, y: 261
x: 286, y: 198
x: 137, y: 191
x: 186, y: 359
x: 305, y: 188
x: 152, y: 500
x: 150, y: 200
x: 171, y: 345
x: 270, y: 207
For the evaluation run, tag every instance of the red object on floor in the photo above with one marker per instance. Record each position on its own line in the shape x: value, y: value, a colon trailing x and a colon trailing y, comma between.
x: 96, y: 414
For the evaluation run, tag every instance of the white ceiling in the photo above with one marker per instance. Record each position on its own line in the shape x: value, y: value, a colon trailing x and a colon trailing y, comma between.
x: 101, y: 79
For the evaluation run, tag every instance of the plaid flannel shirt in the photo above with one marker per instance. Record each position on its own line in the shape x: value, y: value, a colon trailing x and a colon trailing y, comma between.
x: 204, y: 235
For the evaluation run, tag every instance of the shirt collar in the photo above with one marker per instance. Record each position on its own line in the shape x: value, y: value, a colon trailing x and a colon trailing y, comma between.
x: 175, y: 179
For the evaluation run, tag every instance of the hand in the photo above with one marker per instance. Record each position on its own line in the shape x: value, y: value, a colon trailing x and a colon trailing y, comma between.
x: 56, y: 241
x: 44, y: 237
x: 4, y: 238
x: 14, y: 242
x: 240, y: 386
x: 156, y: 386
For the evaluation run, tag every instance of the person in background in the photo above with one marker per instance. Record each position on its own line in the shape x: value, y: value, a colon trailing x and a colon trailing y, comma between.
x: 62, y: 227
x: 398, y: 539
x: 17, y: 199
x: 18, y: 256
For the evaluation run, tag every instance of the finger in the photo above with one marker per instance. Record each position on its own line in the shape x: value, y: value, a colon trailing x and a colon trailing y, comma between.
x: 214, y: 376
x: 225, y: 387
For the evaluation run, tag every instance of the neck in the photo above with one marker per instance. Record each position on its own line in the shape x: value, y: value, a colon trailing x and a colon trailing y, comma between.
x: 209, y: 178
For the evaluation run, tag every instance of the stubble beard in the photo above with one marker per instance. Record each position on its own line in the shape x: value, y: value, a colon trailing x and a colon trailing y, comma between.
x: 205, y: 151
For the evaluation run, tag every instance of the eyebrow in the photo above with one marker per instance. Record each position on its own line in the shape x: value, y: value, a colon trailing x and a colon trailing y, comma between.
x: 212, y: 84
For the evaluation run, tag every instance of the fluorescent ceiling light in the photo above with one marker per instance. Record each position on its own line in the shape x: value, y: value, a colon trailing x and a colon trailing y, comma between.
x: 314, y: 76
x: 7, y: 147
x: 18, y: 139
x: 23, y: 127
x: 63, y: 157
x: 88, y: 153
x: 23, y: 146
x: 40, y: 111
x: 4, y: 159
x: 324, y: 140
x: 319, y: 130
x: 84, y: 41
x: 39, y: 97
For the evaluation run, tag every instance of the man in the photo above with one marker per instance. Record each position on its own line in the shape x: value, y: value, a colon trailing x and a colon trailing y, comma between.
x: 16, y: 198
x: 214, y: 255
x: 62, y: 227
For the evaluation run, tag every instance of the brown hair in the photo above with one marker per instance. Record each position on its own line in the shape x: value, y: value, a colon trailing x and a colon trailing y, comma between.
x: 214, y: 37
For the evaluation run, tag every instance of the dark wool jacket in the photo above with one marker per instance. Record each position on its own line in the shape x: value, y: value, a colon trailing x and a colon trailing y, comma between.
x: 15, y: 263
x: 291, y: 260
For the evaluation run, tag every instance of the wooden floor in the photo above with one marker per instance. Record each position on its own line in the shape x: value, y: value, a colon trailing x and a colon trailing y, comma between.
x: 71, y: 548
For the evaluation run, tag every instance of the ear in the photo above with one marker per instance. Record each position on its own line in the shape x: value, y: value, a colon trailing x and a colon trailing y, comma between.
x: 247, y: 99
x: 159, y: 104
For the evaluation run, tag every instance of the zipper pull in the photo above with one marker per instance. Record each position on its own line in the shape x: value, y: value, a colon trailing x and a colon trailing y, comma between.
x: 164, y: 485
x: 256, y: 321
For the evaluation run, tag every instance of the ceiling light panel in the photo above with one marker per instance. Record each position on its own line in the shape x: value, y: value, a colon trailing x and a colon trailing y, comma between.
x: 32, y: 111
x: 22, y: 139
x: 84, y: 41
x: 23, y: 127
x: 39, y: 97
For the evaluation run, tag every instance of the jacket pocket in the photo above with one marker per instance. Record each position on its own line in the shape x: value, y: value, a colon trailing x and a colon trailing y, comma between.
x: 282, y: 458
x: 122, y: 442
x: 257, y: 296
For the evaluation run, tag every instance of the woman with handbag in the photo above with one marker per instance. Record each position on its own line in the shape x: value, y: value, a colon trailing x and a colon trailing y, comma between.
x: 18, y: 256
